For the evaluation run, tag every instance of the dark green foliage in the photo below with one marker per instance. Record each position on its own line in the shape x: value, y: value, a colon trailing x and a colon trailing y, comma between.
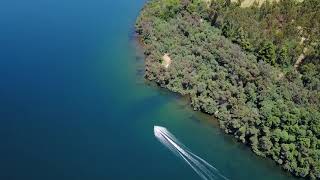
x: 291, y: 28
x: 283, y: 22
x: 267, y: 53
x: 228, y: 30
x: 241, y: 75
x: 283, y: 57
x: 242, y: 39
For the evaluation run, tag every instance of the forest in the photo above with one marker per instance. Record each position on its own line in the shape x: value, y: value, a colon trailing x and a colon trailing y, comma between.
x: 256, y: 69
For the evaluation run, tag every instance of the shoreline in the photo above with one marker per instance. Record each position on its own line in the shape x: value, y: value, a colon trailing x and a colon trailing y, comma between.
x: 152, y: 70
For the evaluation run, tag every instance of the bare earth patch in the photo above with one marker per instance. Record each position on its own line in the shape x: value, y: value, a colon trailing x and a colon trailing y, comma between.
x: 166, y: 60
x: 248, y: 3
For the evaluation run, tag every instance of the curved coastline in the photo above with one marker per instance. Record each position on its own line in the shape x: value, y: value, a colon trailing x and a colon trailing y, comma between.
x: 165, y: 76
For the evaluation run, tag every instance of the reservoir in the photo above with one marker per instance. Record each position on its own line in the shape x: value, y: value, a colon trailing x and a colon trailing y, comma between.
x: 74, y: 104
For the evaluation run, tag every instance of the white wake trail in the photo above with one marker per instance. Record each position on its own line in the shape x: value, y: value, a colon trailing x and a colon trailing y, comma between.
x: 205, y: 170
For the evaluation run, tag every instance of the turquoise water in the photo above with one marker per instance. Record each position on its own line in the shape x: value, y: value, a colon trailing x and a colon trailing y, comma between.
x: 74, y: 104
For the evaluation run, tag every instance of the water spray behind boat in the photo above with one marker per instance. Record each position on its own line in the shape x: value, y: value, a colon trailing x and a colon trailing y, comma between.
x: 205, y: 170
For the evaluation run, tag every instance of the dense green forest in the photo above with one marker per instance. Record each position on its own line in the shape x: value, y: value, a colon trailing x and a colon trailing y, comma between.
x: 256, y: 69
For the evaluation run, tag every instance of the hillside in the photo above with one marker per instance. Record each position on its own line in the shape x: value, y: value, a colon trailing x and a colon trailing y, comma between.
x: 237, y: 64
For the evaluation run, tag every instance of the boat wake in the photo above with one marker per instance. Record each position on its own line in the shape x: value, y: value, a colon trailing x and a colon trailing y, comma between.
x: 200, y: 166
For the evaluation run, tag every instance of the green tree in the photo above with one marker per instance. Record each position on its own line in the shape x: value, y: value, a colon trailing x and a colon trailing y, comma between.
x: 242, y: 39
x: 283, y: 57
x: 267, y: 52
x: 265, y: 143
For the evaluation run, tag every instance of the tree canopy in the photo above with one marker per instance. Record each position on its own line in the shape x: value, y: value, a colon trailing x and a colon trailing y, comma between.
x: 238, y: 65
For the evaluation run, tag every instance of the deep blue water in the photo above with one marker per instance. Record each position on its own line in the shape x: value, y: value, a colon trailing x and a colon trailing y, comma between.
x: 74, y: 104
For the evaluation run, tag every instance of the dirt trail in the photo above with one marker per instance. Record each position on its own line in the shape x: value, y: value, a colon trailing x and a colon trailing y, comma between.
x: 300, y: 58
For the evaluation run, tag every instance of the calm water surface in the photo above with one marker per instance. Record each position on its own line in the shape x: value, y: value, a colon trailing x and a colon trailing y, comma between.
x: 74, y: 104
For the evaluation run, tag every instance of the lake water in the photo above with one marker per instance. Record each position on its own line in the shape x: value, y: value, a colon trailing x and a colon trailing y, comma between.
x: 74, y: 104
